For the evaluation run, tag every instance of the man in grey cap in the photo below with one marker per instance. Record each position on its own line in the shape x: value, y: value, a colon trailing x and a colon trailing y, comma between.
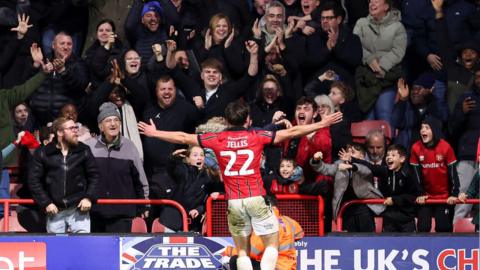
x: 121, y: 174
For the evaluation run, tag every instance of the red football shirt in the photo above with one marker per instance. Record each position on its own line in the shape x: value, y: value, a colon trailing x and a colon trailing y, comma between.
x: 239, y: 154
x: 434, y: 162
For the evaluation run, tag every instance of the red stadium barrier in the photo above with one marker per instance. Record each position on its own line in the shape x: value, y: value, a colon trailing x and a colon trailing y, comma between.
x: 8, y: 202
x: 339, y: 220
x: 307, y: 210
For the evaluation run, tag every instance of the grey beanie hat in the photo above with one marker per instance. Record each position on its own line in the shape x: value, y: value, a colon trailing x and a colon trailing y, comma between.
x: 108, y: 109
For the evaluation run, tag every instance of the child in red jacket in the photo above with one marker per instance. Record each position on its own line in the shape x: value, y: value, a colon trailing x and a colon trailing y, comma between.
x: 433, y: 162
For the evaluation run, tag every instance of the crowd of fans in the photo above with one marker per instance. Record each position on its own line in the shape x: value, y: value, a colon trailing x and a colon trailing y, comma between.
x: 97, y: 68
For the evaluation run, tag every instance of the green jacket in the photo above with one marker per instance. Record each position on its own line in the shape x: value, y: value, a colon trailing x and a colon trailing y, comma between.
x: 9, y: 98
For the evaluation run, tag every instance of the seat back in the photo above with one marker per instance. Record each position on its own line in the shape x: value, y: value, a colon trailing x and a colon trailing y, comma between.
x: 464, y: 225
x: 361, y: 129
x: 139, y: 225
x: 157, y: 227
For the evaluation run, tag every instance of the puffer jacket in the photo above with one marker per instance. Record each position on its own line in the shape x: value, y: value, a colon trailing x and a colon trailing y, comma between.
x: 59, y: 89
x: 385, y: 40
x: 63, y: 181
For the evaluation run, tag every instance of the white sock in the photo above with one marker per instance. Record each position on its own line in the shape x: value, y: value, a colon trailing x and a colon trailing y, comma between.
x: 269, y: 259
x: 244, y: 263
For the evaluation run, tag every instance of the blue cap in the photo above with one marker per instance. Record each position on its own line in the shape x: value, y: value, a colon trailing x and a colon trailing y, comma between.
x: 152, y: 6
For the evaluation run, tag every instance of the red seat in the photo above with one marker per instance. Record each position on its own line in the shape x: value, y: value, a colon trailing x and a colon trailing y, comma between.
x: 361, y: 129
x: 13, y: 225
x: 139, y: 225
x: 464, y: 225
x: 157, y: 227
x: 378, y: 224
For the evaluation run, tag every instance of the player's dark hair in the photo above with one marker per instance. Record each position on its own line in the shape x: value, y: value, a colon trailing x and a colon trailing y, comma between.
x: 307, y: 100
x: 237, y: 113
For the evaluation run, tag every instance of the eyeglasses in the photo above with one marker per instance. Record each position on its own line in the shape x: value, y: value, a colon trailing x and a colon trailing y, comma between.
x: 72, y: 128
x: 327, y: 18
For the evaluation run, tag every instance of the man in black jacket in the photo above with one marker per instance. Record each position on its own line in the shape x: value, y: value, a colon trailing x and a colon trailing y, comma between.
x: 334, y: 48
x: 63, y: 179
x: 66, y: 85
x: 218, y: 95
x: 168, y: 113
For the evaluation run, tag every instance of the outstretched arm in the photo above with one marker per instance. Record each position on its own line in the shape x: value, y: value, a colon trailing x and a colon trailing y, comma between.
x: 176, y: 137
x: 301, y: 130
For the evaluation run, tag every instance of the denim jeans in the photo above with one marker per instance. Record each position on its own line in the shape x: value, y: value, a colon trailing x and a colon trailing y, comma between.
x: 466, y: 170
x: 382, y: 110
x: 71, y: 218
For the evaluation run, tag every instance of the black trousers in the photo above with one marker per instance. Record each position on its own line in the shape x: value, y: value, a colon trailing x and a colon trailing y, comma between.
x: 358, y: 218
x: 443, y: 215
x: 31, y: 219
x: 392, y: 225
x: 100, y: 224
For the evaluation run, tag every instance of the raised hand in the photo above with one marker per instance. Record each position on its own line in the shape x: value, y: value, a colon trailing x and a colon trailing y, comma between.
x: 290, y: 29
x: 332, y: 38
x: 110, y: 41
x: 402, y: 89
x: 308, y: 30
x: 179, y: 153
x: 317, y: 156
x: 198, y: 101
x: 22, y: 27
x: 437, y: 5
x: 257, y: 33
x: 279, y: 69
x: 36, y: 54
x: 208, y: 39
x: 345, y: 155
x: 48, y: 67
x: 331, y: 119
x: 252, y: 47
x: 171, y: 45
x: 468, y: 105
x: 277, y: 116
x: 271, y: 45
x: 327, y: 75
x: 229, y: 40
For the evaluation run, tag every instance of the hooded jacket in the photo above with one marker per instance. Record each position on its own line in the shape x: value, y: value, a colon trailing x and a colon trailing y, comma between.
x: 385, y: 40
x: 434, y: 164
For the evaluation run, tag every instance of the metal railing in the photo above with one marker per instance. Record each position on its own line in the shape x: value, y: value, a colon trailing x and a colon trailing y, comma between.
x: 339, y: 220
x: 8, y: 202
x: 280, y: 197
